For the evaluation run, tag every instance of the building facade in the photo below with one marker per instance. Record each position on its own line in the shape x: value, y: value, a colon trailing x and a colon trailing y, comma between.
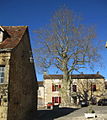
x: 18, y: 83
x: 88, y: 87
x: 41, y: 94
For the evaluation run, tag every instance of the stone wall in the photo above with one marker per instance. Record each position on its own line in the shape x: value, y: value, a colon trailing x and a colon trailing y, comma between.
x: 3, y: 101
x: 48, y: 89
x: 85, y: 84
x: 4, y: 60
x: 22, y: 82
x: 81, y: 85
x: 41, y: 97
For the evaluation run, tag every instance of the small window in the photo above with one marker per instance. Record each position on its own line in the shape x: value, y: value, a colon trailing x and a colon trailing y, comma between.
x: 1, y: 36
x: 2, y: 70
x: 56, y: 87
x: 105, y: 85
x: 56, y: 99
x: 93, y: 88
x: 74, y: 88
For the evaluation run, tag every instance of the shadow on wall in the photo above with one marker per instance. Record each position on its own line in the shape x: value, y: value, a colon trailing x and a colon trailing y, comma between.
x: 52, y: 114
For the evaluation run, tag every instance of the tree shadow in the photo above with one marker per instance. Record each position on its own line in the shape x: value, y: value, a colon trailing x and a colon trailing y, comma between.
x: 55, y: 113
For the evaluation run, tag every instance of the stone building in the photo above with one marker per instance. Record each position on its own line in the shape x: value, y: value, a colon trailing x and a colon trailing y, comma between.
x: 83, y: 85
x: 40, y: 94
x: 105, y: 89
x: 18, y: 84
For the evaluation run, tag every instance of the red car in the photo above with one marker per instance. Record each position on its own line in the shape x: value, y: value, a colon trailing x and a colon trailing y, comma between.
x: 50, y: 105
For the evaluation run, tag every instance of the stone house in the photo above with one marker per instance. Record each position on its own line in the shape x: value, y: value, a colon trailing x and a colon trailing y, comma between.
x: 40, y: 94
x: 18, y: 83
x: 83, y: 85
x: 105, y: 93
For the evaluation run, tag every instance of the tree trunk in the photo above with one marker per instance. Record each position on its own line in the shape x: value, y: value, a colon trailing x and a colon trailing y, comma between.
x: 65, y: 92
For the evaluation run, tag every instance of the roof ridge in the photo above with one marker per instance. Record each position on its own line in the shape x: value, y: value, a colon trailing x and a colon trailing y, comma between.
x: 82, y: 76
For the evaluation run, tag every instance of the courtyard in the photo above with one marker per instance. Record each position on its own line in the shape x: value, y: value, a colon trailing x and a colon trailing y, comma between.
x: 71, y: 113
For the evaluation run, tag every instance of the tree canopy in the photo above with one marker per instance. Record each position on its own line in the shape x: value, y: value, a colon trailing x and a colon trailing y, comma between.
x: 67, y: 44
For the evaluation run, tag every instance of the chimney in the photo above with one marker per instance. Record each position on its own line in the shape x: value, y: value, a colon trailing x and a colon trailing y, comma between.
x: 97, y: 72
x: 45, y: 73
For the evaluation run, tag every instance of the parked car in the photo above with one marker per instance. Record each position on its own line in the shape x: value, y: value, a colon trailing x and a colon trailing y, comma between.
x: 84, y: 103
x: 93, y: 102
x: 50, y: 105
x: 102, y: 102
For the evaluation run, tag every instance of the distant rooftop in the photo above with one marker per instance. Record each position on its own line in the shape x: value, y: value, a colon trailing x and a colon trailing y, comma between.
x: 40, y: 83
x: 75, y: 76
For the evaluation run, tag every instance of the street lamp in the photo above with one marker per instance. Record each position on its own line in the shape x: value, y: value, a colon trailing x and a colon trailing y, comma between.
x: 106, y: 45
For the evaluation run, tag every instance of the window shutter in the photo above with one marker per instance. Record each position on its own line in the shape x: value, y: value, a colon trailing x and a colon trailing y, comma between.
x: 59, y: 99
x: 93, y: 88
x: 59, y: 86
x: 52, y: 99
x: 53, y: 88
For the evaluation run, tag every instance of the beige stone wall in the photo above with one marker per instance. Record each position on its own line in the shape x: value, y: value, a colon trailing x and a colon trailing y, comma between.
x: 22, y: 82
x: 41, y: 96
x: 81, y: 84
x: 41, y: 91
x: 85, y: 84
x: 48, y: 89
x: 4, y: 60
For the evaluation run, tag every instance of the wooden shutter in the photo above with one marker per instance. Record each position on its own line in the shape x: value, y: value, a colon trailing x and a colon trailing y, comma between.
x: 59, y: 99
x: 53, y: 88
x: 59, y: 86
x: 53, y: 100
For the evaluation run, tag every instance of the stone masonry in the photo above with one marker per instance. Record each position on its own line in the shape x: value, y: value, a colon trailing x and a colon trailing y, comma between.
x: 18, y: 89
x: 4, y: 60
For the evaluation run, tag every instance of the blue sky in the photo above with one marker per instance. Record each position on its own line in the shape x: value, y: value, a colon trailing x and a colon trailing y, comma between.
x: 37, y: 13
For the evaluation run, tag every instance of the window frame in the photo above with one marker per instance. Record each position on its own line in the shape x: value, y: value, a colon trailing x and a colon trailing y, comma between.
x: 93, y: 88
x: 56, y: 87
x: 74, y: 88
x: 2, y: 74
x: 56, y: 99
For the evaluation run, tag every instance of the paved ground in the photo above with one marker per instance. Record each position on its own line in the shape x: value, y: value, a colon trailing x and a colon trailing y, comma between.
x: 71, y: 113
x: 101, y: 112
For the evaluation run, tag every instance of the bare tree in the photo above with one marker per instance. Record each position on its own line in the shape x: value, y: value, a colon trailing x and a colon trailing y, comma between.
x: 66, y: 44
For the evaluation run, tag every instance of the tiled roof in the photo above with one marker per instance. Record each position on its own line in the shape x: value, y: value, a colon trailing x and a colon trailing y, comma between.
x: 75, y: 76
x: 12, y: 36
x: 40, y: 83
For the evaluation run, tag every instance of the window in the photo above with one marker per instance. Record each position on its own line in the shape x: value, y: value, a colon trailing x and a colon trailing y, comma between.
x: 93, y: 87
x: 56, y: 99
x: 105, y: 85
x: 56, y: 87
x: 74, y: 88
x: 2, y: 70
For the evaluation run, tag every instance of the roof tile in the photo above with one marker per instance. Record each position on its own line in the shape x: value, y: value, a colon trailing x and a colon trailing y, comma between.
x: 75, y: 76
x: 12, y: 36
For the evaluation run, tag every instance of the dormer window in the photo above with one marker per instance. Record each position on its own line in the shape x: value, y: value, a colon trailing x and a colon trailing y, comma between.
x: 1, y: 34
